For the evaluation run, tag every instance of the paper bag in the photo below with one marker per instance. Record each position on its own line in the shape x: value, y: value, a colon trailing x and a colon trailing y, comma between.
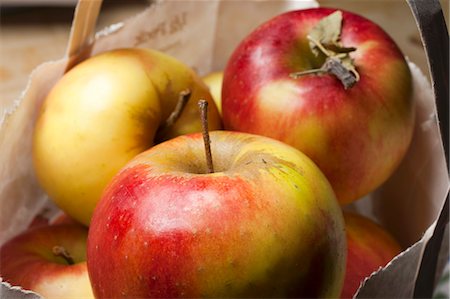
x: 203, y: 34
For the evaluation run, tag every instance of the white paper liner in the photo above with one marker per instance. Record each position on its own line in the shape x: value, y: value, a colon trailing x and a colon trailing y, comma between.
x: 8, y: 291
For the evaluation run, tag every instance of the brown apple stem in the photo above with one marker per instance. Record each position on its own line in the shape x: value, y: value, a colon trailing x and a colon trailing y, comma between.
x: 203, y: 104
x: 337, y: 63
x: 62, y: 252
x: 335, y: 67
x: 183, y: 99
x: 331, y: 66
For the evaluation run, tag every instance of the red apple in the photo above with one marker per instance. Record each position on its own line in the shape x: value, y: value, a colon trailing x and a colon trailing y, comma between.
x: 358, y: 134
x: 265, y: 223
x: 61, y: 218
x: 369, y: 247
x: 39, y: 220
x: 29, y: 261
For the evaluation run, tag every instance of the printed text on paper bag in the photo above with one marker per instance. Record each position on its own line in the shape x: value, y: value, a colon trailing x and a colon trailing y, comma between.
x: 164, y: 28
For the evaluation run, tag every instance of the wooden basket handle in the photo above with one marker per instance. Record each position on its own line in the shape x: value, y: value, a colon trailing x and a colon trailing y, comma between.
x: 83, y: 31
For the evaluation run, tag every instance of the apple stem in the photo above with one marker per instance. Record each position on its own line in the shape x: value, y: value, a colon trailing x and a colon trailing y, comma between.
x: 338, y: 64
x: 183, y: 99
x: 297, y: 75
x: 331, y: 66
x: 203, y: 104
x: 62, y: 252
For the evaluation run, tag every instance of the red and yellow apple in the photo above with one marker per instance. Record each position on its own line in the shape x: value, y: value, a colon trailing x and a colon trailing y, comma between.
x: 214, y: 82
x: 61, y: 218
x: 369, y: 246
x: 29, y: 261
x: 265, y: 223
x: 356, y: 135
x: 101, y: 114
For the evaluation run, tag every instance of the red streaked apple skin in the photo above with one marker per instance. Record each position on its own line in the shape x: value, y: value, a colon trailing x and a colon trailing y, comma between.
x: 358, y: 136
x: 266, y: 223
x: 369, y: 248
x: 27, y: 261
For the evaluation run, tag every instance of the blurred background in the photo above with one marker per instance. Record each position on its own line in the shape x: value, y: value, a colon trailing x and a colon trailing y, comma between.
x: 35, y: 31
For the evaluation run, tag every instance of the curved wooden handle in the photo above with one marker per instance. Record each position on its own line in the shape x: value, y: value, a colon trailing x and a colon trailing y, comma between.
x: 83, y: 30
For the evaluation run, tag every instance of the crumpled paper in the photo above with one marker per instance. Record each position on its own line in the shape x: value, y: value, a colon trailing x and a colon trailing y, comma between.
x: 202, y: 34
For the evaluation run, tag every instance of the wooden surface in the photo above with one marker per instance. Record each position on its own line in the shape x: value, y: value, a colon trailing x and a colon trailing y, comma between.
x: 32, y: 35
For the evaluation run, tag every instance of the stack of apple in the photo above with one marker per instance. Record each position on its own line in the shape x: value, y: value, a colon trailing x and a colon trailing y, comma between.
x: 318, y: 113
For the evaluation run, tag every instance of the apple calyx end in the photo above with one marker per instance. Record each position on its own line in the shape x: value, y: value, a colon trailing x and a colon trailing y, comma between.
x: 324, y: 38
x: 62, y: 252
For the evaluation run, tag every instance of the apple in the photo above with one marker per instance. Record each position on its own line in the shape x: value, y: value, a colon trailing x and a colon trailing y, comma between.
x: 102, y: 113
x: 61, y: 218
x: 369, y: 247
x: 264, y: 223
x: 31, y: 261
x: 214, y: 82
x: 43, y: 220
x: 330, y: 83
x: 38, y: 220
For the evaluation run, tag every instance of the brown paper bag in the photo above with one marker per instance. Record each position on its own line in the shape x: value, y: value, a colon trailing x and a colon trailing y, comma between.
x: 203, y: 34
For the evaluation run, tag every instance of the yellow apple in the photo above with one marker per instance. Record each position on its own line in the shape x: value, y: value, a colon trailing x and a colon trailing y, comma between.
x: 214, y: 83
x: 104, y: 112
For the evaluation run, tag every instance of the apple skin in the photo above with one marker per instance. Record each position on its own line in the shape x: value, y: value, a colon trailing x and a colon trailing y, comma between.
x: 101, y: 114
x: 61, y: 218
x: 28, y: 261
x: 369, y: 247
x: 357, y: 136
x: 214, y: 82
x: 265, y: 224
